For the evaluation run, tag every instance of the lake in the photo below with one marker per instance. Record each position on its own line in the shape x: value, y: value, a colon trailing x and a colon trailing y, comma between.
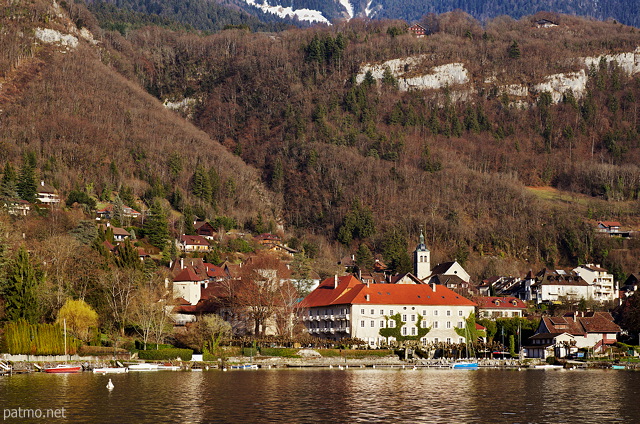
x: 329, y: 396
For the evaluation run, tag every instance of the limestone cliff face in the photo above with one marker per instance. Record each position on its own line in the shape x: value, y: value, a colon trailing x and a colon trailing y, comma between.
x: 412, y: 74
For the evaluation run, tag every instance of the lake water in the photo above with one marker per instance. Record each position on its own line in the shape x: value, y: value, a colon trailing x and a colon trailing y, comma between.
x: 330, y: 396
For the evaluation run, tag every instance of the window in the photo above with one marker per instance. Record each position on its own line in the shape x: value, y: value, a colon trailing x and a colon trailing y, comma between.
x: 460, y: 324
x: 392, y: 323
x: 381, y: 324
x: 459, y: 313
x: 423, y: 324
x: 361, y: 323
x: 413, y: 318
x: 424, y: 341
x: 424, y: 312
x: 413, y: 331
x: 460, y: 340
x: 404, y: 331
x: 435, y: 313
x: 448, y: 339
x: 373, y: 312
x: 404, y: 318
x: 362, y: 311
x: 448, y: 324
x: 435, y: 324
x: 435, y: 340
x: 448, y: 313
x: 310, y: 313
x: 381, y: 311
x: 391, y: 312
x: 373, y: 323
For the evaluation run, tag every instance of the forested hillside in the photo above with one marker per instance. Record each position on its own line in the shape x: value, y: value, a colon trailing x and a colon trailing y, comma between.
x: 350, y: 163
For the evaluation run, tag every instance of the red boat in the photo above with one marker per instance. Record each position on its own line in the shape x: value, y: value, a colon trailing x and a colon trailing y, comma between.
x: 63, y: 368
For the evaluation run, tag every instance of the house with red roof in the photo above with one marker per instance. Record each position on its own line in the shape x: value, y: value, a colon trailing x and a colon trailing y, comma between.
x: 345, y: 307
x: 188, y: 243
x: 560, y: 336
x: 204, y: 229
x: 500, y: 307
x: 612, y: 228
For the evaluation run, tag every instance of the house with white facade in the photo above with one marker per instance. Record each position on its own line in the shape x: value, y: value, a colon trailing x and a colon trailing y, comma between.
x: 603, y: 288
x: 47, y: 194
x: 500, y: 307
x: 554, y: 286
x: 188, y: 243
x: 344, y: 307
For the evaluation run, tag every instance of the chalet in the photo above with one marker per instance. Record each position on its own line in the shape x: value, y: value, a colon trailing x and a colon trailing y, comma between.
x: 188, y: 243
x: 499, y: 286
x: 500, y: 307
x: 552, y: 286
x: 545, y: 23
x: 204, y: 229
x: 418, y: 30
x: 268, y: 240
x: 630, y: 286
x: 451, y: 269
x: 120, y: 234
x: 560, y: 336
x: 344, y: 307
x: 47, y: 194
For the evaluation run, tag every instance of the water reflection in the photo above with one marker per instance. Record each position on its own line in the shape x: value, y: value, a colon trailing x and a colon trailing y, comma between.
x: 353, y: 396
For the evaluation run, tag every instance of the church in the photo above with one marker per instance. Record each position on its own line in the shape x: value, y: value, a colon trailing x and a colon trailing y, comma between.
x: 411, y: 308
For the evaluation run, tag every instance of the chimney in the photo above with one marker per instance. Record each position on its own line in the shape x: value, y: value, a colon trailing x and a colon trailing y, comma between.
x: 366, y: 297
x: 335, y: 281
x: 181, y: 263
x: 433, y: 286
x: 42, y: 183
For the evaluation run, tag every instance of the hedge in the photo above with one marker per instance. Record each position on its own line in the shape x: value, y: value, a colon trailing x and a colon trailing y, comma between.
x: 100, y: 351
x: 354, y: 353
x: 165, y: 354
x: 283, y: 352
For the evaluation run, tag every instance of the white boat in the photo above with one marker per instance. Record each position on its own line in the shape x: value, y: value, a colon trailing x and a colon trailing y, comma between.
x: 244, y: 367
x: 118, y: 370
x: 63, y: 369
x: 168, y: 368
x: 548, y: 367
x: 143, y: 367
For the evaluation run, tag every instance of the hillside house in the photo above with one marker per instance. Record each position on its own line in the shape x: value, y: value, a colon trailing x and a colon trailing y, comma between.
x: 418, y: 30
x: 545, y: 23
x: 17, y: 207
x: 47, y: 194
x: 500, y: 307
x: 554, y: 286
x: 204, y: 229
x: 188, y: 243
x: 127, y: 212
x: 344, y: 307
x: 612, y: 228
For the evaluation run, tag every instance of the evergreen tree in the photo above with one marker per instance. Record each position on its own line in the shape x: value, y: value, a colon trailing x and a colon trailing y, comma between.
x: 514, y: 50
x: 8, y: 186
x: 127, y: 256
x: 200, y: 184
x: 156, y: 226
x: 117, y: 218
x: 364, y: 258
x: 20, y: 289
x: 27, y: 185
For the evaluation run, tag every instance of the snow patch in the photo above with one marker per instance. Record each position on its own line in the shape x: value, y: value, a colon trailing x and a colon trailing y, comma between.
x: 47, y: 35
x: 347, y: 5
x: 302, y: 14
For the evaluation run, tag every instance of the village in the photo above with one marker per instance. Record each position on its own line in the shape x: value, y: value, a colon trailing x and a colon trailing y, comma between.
x: 436, y: 312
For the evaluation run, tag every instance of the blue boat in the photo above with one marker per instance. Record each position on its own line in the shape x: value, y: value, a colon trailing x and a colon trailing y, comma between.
x: 617, y: 367
x: 244, y: 367
x: 465, y: 365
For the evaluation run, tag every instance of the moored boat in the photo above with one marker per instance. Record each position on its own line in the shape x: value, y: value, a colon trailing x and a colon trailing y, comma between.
x: 465, y: 365
x: 548, y: 367
x: 244, y: 367
x: 618, y: 367
x: 63, y: 369
x: 108, y: 370
x: 143, y: 367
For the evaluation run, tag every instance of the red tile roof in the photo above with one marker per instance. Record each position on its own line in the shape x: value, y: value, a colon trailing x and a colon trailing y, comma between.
x: 187, y: 274
x: 352, y: 291
x: 610, y: 223
x: 496, y: 302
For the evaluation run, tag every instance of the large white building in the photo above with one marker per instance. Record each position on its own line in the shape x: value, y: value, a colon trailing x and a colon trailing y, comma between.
x: 344, y: 307
x: 601, y: 283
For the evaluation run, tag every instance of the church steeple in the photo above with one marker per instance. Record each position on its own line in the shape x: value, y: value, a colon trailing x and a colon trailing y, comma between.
x: 421, y: 259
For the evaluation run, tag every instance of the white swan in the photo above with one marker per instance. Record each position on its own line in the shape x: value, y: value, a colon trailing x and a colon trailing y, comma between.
x: 110, y: 385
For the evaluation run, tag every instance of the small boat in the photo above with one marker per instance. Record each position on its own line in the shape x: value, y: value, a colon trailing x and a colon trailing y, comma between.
x: 244, y: 367
x: 168, y: 368
x: 63, y: 369
x: 548, y: 367
x: 118, y: 370
x: 143, y: 367
x: 618, y: 367
x: 464, y: 366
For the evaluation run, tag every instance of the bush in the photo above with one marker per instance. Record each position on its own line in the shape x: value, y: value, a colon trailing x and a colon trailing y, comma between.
x: 283, y: 352
x: 354, y: 353
x: 165, y: 354
x: 249, y: 351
